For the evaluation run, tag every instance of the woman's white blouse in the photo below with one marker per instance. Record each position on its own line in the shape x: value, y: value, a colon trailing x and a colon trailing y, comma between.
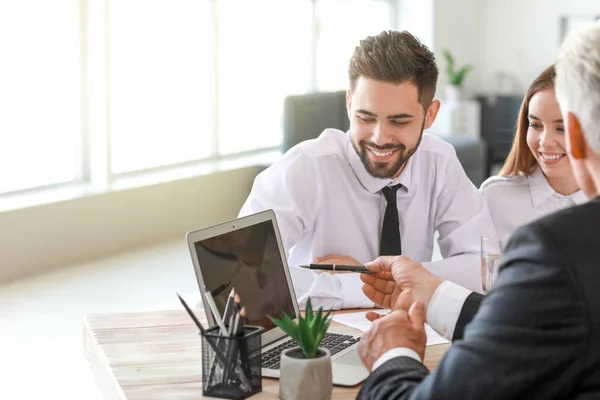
x: 517, y: 200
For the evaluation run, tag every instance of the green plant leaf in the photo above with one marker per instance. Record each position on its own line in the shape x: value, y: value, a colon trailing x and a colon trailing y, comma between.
x: 455, y: 77
x: 307, y: 338
x: 461, y: 74
x: 326, y: 317
x: 321, y: 328
x: 316, y: 319
x: 308, y: 311
x: 449, y: 58
x: 309, y: 331
x: 287, y: 324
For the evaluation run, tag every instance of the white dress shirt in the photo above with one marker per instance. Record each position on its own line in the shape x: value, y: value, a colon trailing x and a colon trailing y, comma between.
x: 327, y: 203
x: 517, y: 200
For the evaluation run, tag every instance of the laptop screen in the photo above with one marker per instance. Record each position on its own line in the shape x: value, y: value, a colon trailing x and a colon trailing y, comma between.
x: 247, y: 259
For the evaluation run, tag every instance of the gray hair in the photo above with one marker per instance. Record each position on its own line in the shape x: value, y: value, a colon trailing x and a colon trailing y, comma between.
x: 578, y: 81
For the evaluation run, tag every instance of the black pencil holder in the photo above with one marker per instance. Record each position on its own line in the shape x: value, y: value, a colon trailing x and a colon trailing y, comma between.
x: 231, y: 366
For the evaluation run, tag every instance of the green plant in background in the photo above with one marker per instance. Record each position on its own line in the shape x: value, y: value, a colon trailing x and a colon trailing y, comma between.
x: 308, y: 332
x: 455, y: 77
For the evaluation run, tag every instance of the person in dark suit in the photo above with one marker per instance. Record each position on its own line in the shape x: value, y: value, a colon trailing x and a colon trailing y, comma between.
x: 537, y: 333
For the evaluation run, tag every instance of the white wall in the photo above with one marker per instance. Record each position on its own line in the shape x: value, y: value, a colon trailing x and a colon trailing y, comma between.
x: 415, y: 16
x: 513, y: 38
x: 521, y: 37
x: 53, y: 235
x: 456, y: 27
x: 446, y: 24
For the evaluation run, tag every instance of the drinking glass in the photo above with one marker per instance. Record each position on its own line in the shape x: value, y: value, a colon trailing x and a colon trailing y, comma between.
x: 492, y: 247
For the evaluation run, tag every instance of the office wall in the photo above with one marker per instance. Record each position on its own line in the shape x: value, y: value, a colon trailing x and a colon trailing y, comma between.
x: 457, y: 27
x: 508, y: 42
x: 521, y: 37
x: 44, y: 237
x: 446, y: 24
x: 415, y: 16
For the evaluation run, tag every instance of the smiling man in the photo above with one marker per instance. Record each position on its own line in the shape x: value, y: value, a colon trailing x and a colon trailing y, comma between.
x: 382, y: 188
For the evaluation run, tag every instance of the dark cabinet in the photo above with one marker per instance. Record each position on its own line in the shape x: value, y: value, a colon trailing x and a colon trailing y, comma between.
x: 498, y: 122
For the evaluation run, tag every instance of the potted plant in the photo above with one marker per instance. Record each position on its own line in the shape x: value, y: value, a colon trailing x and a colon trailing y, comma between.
x: 456, y: 78
x: 305, y: 371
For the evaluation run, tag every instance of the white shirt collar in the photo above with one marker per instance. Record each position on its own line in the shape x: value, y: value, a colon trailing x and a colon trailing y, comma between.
x: 371, y: 183
x: 541, y: 190
x: 579, y: 197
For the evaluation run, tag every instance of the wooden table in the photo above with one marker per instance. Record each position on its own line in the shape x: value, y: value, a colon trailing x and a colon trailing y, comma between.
x: 157, y: 355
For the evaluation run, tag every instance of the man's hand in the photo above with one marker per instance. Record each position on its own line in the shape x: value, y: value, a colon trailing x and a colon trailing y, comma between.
x: 403, y: 327
x: 394, y: 274
x: 338, y: 260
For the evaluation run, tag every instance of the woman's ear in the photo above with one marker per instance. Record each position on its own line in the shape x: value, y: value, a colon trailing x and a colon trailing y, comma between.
x: 576, y: 143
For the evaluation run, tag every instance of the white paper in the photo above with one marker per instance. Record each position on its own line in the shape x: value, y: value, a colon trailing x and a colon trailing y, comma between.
x: 359, y: 321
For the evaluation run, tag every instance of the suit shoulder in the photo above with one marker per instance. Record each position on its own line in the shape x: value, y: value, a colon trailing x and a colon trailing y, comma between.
x: 566, y: 229
x: 571, y: 219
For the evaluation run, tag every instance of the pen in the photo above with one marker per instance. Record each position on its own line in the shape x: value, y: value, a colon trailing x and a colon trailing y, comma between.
x: 228, y: 319
x: 192, y: 315
x: 240, y: 331
x: 336, y: 267
x: 239, y: 326
x: 220, y: 289
x: 236, y: 348
x: 226, y: 365
x: 236, y: 306
x: 215, y: 311
x: 228, y: 307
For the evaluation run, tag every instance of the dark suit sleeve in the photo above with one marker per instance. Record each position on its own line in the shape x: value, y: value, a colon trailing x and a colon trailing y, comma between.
x: 528, y: 340
x: 467, y: 313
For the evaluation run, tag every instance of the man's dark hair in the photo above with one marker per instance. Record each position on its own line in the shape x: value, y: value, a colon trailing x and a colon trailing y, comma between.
x: 395, y: 57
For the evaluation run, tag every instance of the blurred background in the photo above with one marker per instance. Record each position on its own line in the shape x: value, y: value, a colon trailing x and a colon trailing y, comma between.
x: 126, y: 123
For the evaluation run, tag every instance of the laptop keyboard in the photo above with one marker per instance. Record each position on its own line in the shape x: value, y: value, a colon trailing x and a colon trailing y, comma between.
x: 335, y: 342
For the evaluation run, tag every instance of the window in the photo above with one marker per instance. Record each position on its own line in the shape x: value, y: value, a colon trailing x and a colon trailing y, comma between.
x: 95, y: 90
x: 40, y: 139
x: 160, y: 92
x: 264, y: 55
x: 341, y: 24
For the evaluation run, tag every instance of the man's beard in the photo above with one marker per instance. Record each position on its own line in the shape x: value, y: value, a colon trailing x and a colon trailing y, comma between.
x: 385, y: 170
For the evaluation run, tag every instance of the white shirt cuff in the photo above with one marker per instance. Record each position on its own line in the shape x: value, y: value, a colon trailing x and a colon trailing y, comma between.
x: 445, y: 306
x: 352, y: 292
x: 393, y: 353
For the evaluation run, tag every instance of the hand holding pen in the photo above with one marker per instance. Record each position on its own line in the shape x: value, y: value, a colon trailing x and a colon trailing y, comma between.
x: 338, y: 268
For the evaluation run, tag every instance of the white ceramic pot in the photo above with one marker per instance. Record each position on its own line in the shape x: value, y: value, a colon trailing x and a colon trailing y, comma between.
x: 453, y: 93
x: 305, y: 378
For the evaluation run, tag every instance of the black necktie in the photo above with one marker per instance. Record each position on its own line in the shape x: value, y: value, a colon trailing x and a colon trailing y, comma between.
x: 390, y: 232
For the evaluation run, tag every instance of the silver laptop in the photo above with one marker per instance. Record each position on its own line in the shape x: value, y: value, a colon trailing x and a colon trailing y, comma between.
x: 247, y: 253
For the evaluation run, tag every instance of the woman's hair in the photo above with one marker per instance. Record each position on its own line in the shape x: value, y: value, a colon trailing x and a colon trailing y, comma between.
x: 520, y: 159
